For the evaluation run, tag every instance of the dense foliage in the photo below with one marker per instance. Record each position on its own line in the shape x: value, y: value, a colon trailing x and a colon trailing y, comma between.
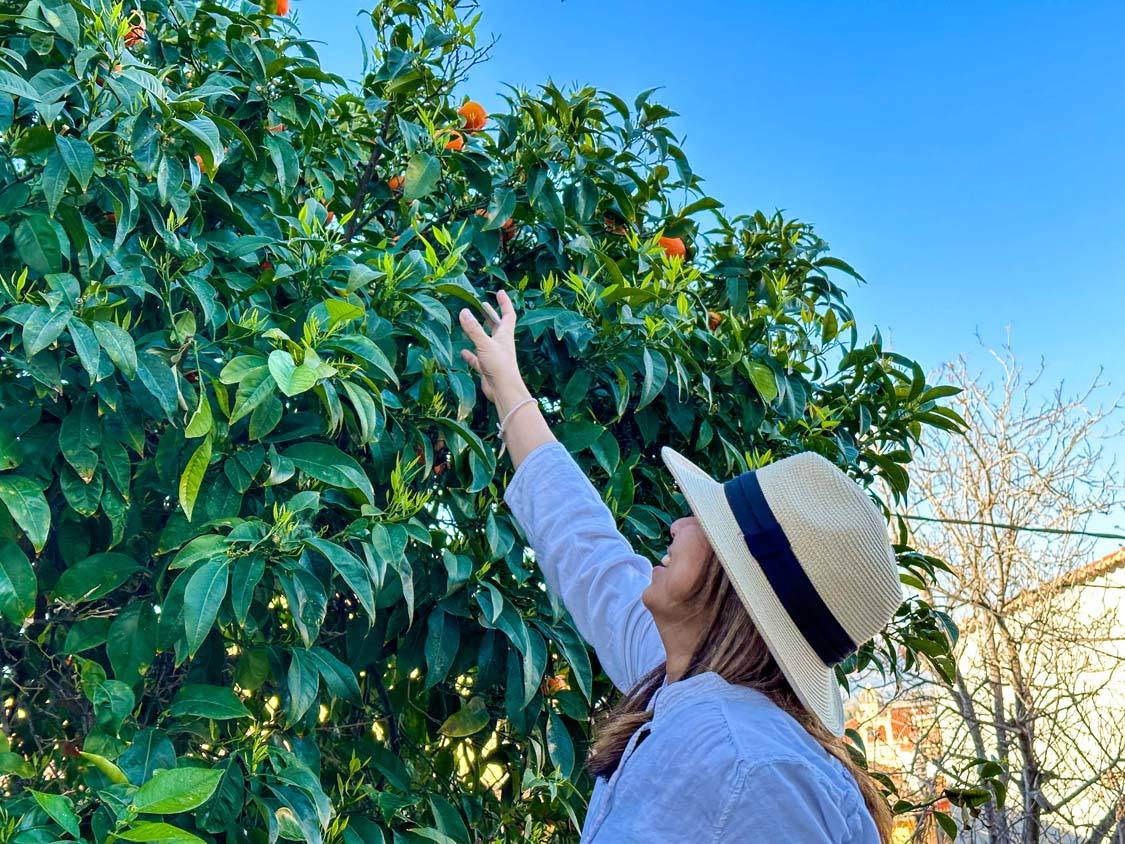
x: 256, y: 576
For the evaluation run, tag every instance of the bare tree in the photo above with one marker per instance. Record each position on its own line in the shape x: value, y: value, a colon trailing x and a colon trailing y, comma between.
x: 1040, y: 682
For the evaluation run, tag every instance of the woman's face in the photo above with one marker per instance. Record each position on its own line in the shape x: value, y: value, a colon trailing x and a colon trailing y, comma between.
x: 676, y: 579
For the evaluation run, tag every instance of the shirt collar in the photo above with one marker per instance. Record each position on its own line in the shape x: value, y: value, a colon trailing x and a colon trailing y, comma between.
x: 672, y: 696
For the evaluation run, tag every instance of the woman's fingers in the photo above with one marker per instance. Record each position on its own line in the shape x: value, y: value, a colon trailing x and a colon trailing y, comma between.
x: 472, y: 327
x: 495, y: 317
x: 471, y: 359
x: 506, y: 307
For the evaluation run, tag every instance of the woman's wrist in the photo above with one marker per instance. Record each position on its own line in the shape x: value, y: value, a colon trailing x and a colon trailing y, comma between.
x: 509, y: 398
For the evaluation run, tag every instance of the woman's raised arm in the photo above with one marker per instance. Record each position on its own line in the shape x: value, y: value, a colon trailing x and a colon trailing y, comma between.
x: 585, y: 560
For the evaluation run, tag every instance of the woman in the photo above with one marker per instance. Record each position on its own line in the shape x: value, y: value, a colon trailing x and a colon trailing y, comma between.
x: 729, y: 728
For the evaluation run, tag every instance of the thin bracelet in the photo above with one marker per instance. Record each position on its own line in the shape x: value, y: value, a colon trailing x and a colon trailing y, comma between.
x: 500, y: 426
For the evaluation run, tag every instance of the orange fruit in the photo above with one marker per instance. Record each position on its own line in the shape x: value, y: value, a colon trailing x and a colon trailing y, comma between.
x: 112, y: 218
x: 266, y: 264
x: 713, y: 319
x: 395, y: 183
x: 508, y: 230
x: 199, y: 160
x: 136, y: 34
x: 455, y: 143
x: 673, y: 247
x: 614, y: 226
x: 554, y: 684
x: 282, y: 7
x: 474, y: 114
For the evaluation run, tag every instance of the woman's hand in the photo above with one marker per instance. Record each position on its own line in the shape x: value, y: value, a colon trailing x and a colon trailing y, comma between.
x: 495, y: 354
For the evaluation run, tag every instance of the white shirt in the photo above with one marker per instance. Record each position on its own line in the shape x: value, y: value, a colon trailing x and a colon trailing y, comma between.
x: 718, y: 762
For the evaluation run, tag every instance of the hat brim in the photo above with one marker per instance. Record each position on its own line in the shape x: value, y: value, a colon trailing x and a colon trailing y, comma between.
x: 814, y: 683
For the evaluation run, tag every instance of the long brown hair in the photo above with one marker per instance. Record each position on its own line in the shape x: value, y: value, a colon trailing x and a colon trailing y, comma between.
x: 732, y: 648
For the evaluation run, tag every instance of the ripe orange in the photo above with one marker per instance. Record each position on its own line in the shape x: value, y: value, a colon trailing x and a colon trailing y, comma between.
x: 199, y: 160
x: 614, y: 225
x: 136, y: 34
x: 673, y: 247
x: 456, y: 143
x: 474, y: 114
x: 508, y: 230
x: 713, y: 319
x: 282, y: 7
x: 395, y: 183
x: 554, y: 684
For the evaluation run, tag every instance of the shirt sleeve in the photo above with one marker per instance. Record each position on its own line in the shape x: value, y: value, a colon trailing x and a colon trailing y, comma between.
x: 790, y: 797
x: 586, y: 561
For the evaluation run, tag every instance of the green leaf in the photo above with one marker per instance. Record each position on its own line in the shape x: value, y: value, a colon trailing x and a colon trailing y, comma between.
x: 205, y: 547
x: 13, y: 763
x: 240, y: 367
x: 423, y: 172
x: 79, y: 157
x: 245, y: 576
x: 254, y: 389
x: 55, y: 181
x: 177, y: 790
x: 80, y: 434
x: 157, y: 831
x: 28, y: 507
x: 118, y: 345
x: 158, y: 378
x: 338, y: 677
x: 560, y: 746
x: 94, y: 577
x: 352, y: 569
x: 448, y: 819
x: 285, y: 161
x: 42, y: 329
x: 656, y: 374
x: 291, y: 379
x: 707, y: 203
x: 18, y: 584
x: 500, y: 208
x: 304, y: 683
x: 366, y: 350
x: 111, y: 772
x: 201, y: 420
x: 13, y: 84
x: 471, y: 718
x: 328, y: 464
x: 192, y: 478
x: 443, y: 638
x: 203, y: 129
x: 61, y: 811
x: 214, y: 702
x: 86, y: 346
x: 763, y: 380
x: 131, y: 641
x: 38, y: 246
x: 151, y: 751
x: 202, y: 598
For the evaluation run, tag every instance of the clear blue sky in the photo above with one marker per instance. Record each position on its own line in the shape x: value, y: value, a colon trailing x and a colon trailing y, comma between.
x: 968, y: 160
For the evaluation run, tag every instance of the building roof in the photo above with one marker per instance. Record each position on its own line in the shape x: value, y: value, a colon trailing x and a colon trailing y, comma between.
x: 1075, y: 577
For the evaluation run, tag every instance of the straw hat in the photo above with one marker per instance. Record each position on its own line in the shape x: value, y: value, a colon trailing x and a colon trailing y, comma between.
x: 808, y: 553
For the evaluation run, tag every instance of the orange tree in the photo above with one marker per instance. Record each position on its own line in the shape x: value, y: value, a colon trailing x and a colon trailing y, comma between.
x: 255, y: 575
